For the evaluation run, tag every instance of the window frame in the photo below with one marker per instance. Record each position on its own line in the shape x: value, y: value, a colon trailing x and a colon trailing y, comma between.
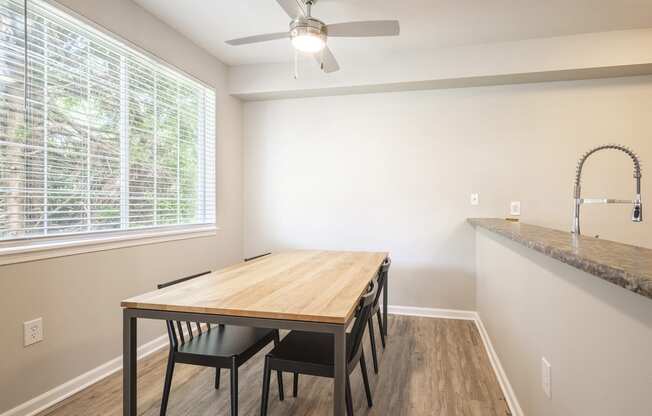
x: 20, y: 250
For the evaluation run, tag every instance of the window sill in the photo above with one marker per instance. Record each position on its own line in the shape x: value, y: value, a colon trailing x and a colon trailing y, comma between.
x: 39, y: 250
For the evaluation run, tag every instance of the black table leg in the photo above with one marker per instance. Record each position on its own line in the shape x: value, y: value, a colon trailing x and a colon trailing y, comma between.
x: 129, y: 363
x: 385, y: 323
x: 339, y: 384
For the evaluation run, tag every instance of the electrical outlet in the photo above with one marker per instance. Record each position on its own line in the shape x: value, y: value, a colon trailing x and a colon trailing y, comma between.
x: 515, y: 208
x: 475, y: 199
x: 546, y: 381
x: 33, y: 331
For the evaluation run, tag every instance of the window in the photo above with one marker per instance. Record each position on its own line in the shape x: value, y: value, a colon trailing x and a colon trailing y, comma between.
x: 94, y: 135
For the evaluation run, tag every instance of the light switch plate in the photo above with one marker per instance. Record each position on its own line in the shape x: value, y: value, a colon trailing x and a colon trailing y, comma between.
x: 32, y: 331
x: 515, y: 208
x: 475, y: 199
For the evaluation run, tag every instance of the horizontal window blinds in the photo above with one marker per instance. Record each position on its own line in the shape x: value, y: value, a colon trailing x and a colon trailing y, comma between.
x: 100, y: 137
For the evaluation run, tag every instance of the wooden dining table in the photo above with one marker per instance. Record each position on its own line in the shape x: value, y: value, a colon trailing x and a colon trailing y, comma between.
x: 303, y: 290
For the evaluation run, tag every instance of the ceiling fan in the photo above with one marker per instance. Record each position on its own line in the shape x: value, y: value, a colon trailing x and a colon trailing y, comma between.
x: 309, y: 34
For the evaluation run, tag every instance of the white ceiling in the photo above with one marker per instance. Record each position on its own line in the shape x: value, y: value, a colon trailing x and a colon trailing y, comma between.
x: 425, y: 24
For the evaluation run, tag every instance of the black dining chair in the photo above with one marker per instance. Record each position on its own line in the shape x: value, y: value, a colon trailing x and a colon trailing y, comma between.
x: 312, y: 353
x: 220, y: 346
x: 382, y: 278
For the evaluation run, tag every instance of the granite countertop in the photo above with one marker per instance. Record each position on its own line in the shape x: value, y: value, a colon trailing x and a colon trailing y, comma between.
x: 622, y: 264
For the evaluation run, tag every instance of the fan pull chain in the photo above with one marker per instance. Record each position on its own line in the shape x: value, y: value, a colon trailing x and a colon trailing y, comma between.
x: 296, y: 64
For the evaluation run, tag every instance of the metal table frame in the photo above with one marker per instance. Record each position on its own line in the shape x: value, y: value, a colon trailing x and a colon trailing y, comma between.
x: 385, y: 286
x: 130, y: 345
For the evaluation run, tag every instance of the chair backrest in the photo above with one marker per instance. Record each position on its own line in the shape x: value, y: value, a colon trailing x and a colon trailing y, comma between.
x: 176, y: 328
x: 364, y: 311
x: 382, y: 276
x: 257, y: 257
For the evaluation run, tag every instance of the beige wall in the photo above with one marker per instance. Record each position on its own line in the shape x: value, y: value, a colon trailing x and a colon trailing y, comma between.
x: 596, y: 335
x: 78, y: 296
x: 394, y: 171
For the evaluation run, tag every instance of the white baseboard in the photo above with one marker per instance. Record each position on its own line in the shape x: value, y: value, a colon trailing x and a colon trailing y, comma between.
x: 432, y: 313
x: 505, y: 385
x: 62, y: 392
x: 77, y: 384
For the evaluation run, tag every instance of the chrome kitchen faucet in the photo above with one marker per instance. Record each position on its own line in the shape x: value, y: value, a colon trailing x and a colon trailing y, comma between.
x: 637, y: 211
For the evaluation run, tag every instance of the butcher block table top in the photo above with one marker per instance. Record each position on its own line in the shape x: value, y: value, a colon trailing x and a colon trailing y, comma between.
x: 317, y: 286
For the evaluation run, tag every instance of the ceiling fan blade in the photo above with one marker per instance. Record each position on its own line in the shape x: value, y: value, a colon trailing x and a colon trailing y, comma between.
x: 294, y: 8
x: 327, y: 60
x: 365, y: 28
x: 258, y: 38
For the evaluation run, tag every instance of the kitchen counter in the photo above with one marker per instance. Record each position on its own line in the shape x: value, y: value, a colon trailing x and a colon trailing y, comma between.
x: 624, y: 265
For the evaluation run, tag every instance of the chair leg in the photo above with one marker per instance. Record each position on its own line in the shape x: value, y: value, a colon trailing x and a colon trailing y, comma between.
x: 349, y: 399
x: 279, y: 374
x: 295, y: 387
x: 169, y: 372
x: 380, y: 325
x: 218, y: 371
x: 279, y: 379
x: 234, y: 388
x: 267, y: 375
x: 365, y: 379
x: 372, y: 337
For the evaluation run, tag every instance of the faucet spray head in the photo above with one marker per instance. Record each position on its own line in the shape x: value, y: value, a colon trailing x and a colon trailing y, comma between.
x: 637, y: 211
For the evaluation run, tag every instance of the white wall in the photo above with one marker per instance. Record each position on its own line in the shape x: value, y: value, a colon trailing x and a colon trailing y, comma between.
x: 595, y: 335
x: 394, y: 171
x: 79, y: 296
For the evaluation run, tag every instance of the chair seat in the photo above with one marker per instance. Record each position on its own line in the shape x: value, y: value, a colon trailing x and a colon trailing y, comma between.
x: 227, y: 341
x: 313, y: 348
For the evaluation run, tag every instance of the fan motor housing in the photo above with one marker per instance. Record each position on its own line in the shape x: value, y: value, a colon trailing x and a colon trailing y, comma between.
x: 308, y: 26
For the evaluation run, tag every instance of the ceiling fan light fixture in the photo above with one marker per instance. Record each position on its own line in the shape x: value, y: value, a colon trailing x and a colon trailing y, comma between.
x: 308, y: 43
x: 308, y: 35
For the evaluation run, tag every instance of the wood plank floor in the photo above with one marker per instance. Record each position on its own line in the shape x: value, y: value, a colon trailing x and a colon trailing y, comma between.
x: 430, y: 367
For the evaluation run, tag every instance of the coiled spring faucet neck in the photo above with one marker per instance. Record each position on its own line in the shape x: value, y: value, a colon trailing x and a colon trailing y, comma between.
x: 637, y: 212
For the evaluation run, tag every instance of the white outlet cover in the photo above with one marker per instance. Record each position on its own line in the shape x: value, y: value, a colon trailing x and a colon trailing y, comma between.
x: 32, y: 331
x: 475, y: 199
x: 515, y: 208
x: 546, y: 380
